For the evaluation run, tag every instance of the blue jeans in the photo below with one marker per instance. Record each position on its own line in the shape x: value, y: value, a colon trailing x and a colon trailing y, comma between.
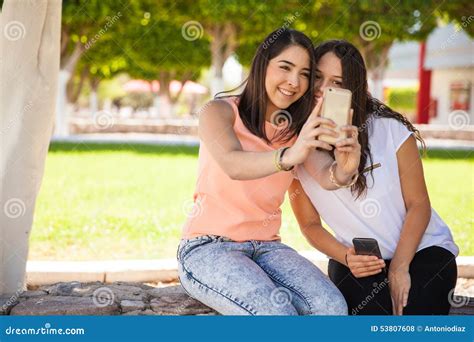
x: 255, y: 278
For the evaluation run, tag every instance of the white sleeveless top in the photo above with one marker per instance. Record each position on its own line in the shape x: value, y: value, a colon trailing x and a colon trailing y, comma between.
x: 381, y: 213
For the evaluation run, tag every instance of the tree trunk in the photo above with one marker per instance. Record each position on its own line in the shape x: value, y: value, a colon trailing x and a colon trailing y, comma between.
x: 164, y: 96
x: 175, y: 98
x: 376, y: 60
x: 376, y: 84
x: 163, y: 106
x: 29, y: 74
x: 61, y: 127
x: 223, y: 44
x: 93, y: 100
x: 74, y: 90
x: 68, y: 65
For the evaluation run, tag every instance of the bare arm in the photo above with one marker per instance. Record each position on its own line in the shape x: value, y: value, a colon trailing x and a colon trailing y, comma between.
x: 310, y: 224
x: 417, y: 204
x: 216, y: 132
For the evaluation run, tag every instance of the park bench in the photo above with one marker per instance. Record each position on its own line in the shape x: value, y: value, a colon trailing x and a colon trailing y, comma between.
x: 121, y: 298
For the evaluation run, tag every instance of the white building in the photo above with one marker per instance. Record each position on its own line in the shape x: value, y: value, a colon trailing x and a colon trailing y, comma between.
x: 450, y: 57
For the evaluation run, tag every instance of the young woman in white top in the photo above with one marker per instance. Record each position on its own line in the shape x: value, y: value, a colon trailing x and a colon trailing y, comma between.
x: 389, y: 202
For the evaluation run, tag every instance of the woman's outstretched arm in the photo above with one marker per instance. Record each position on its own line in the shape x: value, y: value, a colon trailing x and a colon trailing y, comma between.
x: 216, y: 132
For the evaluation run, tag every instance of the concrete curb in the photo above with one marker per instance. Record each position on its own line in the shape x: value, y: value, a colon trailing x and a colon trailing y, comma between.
x: 164, y: 270
x: 50, y: 272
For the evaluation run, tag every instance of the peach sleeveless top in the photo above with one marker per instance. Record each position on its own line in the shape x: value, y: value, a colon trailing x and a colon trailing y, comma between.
x: 241, y: 210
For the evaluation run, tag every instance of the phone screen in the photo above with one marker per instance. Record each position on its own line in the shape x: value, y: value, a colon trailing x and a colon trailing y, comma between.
x: 366, y: 246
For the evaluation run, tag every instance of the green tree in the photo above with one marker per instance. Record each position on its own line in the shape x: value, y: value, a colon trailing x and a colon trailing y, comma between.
x: 228, y: 24
x: 460, y: 12
x: 373, y: 26
x: 159, y: 51
x: 87, y: 24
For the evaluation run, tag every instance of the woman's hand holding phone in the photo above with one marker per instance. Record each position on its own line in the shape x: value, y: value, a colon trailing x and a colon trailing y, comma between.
x: 363, y: 265
x: 348, y: 152
x: 336, y: 105
x: 308, y: 140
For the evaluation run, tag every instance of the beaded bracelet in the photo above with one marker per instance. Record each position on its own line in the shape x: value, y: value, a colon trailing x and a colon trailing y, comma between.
x: 334, y: 181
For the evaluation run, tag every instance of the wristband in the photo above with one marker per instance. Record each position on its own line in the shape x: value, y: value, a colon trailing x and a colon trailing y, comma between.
x: 334, y: 181
x: 283, y: 150
x: 278, y: 159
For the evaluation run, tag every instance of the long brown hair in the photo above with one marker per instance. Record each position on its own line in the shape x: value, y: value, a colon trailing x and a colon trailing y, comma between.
x: 254, y: 100
x: 366, y: 108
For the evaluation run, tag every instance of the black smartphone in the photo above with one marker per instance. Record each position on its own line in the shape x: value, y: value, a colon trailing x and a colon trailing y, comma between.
x: 366, y: 246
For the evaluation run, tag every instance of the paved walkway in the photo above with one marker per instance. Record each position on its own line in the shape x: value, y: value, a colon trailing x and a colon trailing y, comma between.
x: 132, y: 138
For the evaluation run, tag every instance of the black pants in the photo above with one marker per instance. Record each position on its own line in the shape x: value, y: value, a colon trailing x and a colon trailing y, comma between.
x: 433, y: 273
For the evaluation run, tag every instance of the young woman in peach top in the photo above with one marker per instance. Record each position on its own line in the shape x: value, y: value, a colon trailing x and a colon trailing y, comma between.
x: 231, y: 257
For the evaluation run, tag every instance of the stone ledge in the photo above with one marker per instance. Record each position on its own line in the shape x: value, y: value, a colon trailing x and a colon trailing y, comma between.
x: 75, y: 298
x: 96, y: 298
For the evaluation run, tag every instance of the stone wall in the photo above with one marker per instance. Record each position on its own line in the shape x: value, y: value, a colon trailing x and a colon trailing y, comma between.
x: 75, y: 298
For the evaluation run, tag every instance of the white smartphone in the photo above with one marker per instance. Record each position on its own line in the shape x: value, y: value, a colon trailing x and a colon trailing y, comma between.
x: 336, y: 106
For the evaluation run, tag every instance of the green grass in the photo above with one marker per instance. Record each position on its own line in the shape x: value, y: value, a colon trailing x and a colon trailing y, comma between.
x: 126, y: 201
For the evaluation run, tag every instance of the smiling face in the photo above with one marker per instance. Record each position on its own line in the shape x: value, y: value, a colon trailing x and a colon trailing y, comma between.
x: 287, y: 78
x: 328, y: 74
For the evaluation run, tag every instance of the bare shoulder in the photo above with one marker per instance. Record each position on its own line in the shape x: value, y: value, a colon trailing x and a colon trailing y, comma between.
x: 215, y: 119
x: 217, y: 109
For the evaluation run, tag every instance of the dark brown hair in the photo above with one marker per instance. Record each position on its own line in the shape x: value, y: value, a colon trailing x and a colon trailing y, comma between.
x: 254, y: 100
x: 366, y: 107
